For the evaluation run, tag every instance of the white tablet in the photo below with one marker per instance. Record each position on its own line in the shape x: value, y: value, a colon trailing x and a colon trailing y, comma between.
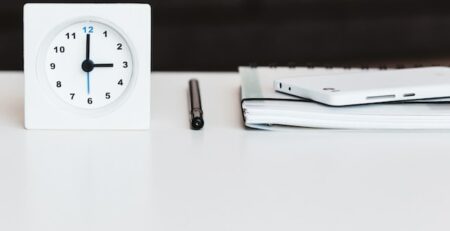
x: 370, y: 87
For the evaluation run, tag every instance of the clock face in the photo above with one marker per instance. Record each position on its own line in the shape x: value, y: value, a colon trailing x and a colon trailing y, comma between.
x: 89, y: 65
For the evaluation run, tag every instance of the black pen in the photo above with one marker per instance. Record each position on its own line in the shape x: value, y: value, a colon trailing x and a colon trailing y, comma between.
x: 197, y: 121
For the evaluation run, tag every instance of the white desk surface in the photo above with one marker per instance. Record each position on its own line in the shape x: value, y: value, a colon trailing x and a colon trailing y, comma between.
x: 221, y: 178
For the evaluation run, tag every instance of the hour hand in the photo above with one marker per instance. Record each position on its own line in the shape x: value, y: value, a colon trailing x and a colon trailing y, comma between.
x: 104, y: 65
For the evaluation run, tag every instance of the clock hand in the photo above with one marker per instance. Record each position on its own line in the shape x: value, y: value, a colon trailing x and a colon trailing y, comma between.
x: 87, y: 65
x: 88, y: 46
x: 88, y: 80
x: 104, y: 65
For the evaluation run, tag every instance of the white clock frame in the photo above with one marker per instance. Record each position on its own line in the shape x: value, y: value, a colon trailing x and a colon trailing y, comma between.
x: 43, y: 110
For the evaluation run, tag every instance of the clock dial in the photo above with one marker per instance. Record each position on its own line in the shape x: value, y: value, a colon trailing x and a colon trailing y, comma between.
x: 89, y: 65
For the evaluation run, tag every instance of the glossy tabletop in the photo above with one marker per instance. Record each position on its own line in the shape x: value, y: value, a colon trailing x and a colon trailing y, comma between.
x: 224, y: 177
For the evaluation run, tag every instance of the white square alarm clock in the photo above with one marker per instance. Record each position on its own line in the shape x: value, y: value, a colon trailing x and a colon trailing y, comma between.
x: 87, y: 66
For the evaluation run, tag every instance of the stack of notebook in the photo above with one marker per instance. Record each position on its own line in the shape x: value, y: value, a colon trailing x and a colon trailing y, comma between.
x: 263, y: 108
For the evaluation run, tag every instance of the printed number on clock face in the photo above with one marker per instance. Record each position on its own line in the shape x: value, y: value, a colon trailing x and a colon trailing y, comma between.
x: 89, y: 65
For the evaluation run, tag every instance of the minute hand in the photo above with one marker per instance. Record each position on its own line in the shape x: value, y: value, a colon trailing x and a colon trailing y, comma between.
x: 88, y: 46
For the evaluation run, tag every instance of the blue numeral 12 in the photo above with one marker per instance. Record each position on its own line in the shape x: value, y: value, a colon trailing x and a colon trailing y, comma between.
x: 89, y: 29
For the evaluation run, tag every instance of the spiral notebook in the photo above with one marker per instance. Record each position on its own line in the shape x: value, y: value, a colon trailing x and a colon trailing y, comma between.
x: 263, y: 108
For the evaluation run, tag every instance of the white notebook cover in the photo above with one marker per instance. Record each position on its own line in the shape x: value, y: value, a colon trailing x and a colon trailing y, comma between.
x: 263, y: 108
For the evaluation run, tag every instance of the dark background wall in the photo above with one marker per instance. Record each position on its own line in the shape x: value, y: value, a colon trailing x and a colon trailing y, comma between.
x: 222, y: 34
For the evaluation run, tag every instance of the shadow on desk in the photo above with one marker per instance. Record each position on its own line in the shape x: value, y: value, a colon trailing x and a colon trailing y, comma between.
x: 12, y: 101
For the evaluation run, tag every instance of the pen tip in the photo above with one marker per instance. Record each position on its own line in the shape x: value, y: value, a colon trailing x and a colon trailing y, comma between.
x: 197, y: 124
